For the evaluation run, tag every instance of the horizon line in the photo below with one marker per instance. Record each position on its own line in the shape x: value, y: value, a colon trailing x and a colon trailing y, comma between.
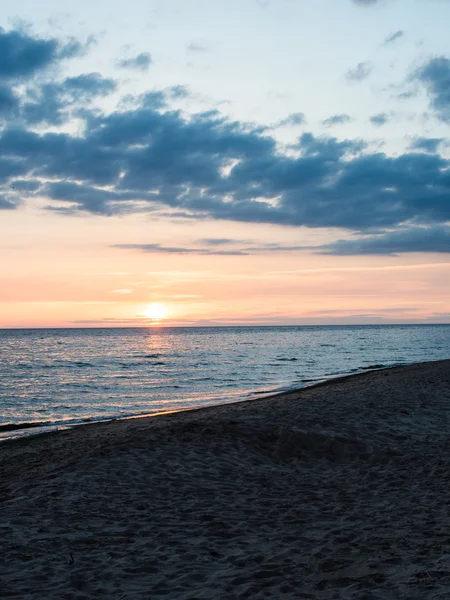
x: 158, y: 326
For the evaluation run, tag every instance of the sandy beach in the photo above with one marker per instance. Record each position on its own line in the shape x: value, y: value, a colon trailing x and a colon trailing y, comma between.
x: 336, y: 491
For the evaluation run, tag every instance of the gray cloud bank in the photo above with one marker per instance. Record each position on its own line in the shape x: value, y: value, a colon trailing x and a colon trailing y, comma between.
x: 147, y: 157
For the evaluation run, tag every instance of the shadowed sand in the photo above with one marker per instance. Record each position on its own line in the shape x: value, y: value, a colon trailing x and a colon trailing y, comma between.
x: 337, y: 491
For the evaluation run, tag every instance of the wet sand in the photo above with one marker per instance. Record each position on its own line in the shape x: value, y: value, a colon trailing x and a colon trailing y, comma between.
x: 337, y: 491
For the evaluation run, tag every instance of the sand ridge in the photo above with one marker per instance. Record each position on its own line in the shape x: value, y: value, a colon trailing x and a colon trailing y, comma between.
x: 336, y: 491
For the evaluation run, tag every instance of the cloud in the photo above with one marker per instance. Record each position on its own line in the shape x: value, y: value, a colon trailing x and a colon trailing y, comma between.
x: 413, y: 239
x: 337, y: 120
x: 217, y: 241
x: 23, y: 55
x: 25, y: 185
x: 87, y: 86
x: 158, y: 249
x: 145, y: 157
x: 6, y: 204
x: 177, y: 92
x: 430, y: 145
x: 9, y: 102
x: 141, y: 62
x: 435, y: 76
x: 292, y: 120
x: 11, y: 167
x: 93, y: 199
x: 194, y: 47
x: 379, y: 119
x: 24, y: 93
x: 214, y: 247
x: 393, y: 37
x: 51, y: 102
x: 360, y: 72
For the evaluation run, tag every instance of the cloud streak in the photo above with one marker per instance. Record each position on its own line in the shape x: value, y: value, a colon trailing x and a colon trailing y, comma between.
x: 340, y: 119
x: 393, y: 37
x: 415, y: 239
x: 213, y: 247
x: 141, y: 62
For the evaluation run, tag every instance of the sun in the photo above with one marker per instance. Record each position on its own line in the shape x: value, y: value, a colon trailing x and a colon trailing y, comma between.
x: 156, y: 311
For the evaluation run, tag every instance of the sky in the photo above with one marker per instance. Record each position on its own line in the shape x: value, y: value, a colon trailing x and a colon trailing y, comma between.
x: 236, y: 162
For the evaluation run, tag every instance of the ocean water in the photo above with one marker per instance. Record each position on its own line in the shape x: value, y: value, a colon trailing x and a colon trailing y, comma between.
x: 56, y: 378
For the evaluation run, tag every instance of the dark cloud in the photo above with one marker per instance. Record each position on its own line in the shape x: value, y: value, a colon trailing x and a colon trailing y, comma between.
x: 393, y: 37
x: 430, y: 145
x: 24, y: 94
x: 141, y: 62
x: 360, y: 72
x: 9, y: 102
x: 95, y: 199
x: 150, y: 159
x: 435, y: 76
x: 337, y: 120
x: 25, y: 185
x: 11, y: 167
x: 88, y: 86
x: 379, y: 119
x: 414, y: 239
x: 147, y: 157
x: 22, y: 56
x: 6, y: 204
x: 51, y: 102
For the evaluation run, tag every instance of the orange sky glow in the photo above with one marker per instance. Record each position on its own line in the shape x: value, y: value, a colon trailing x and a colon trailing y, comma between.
x: 60, y: 276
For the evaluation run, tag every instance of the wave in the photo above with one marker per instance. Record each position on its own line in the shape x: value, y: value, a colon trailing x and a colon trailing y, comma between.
x: 68, y: 365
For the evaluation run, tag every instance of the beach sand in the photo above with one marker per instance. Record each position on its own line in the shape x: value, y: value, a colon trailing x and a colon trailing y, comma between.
x: 337, y: 491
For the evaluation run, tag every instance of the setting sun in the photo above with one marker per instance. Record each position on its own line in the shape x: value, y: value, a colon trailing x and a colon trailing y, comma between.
x: 156, y: 311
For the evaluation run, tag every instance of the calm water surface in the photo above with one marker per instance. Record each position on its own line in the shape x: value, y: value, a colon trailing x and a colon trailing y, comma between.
x: 55, y: 378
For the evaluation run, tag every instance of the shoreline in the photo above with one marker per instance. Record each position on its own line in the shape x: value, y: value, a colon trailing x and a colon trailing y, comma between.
x: 48, y: 427
x: 338, y: 490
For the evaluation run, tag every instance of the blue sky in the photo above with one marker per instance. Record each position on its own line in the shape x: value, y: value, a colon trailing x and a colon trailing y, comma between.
x: 298, y: 130
x: 261, y: 60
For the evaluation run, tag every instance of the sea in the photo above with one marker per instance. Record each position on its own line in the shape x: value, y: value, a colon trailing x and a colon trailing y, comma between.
x: 59, y: 378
